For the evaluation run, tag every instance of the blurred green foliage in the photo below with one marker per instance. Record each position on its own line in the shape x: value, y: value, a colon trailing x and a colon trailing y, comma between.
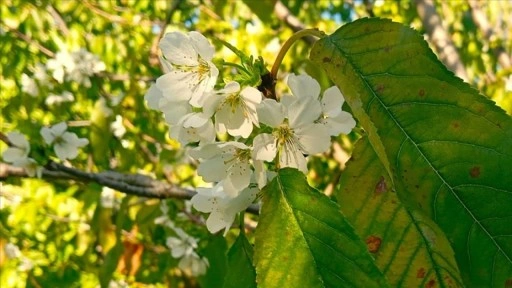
x: 66, y: 238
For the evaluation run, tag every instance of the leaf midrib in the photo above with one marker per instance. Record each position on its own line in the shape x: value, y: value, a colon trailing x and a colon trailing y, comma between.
x: 375, y: 95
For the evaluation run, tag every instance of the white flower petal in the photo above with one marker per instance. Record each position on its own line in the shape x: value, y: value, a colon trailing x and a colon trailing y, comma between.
x: 195, y: 120
x: 218, y: 221
x: 176, y: 85
x: 270, y: 112
x: 47, y: 135
x: 304, y: 111
x: 59, y: 129
x: 212, y: 170
x: 243, y: 130
x: 203, y: 203
x: 343, y: 123
x: 313, y: 138
x: 174, y: 110
x: 19, y: 140
x: 264, y: 147
x: 292, y: 157
x: 239, y: 177
x: 332, y: 101
x: 153, y: 96
x: 260, y: 173
x: 65, y: 151
x: 178, y: 49
x: 201, y: 45
x: 303, y: 86
x: 13, y: 154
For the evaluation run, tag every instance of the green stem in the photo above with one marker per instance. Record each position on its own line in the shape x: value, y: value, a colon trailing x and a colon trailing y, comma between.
x: 286, y: 46
x: 238, y: 66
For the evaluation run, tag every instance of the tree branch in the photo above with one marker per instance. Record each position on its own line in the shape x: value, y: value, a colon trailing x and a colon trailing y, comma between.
x: 481, y: 22
x: 132, y: 184
x: 284, y: 14
x: 440, y: 38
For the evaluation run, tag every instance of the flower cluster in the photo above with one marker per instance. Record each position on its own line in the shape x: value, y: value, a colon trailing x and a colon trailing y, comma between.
x: 259, y: 130
x: 75, y: 66
x: 65, y: 145
x: 183, y: 246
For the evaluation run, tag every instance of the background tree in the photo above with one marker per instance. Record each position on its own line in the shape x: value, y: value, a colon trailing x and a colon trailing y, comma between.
x: 70, y: 228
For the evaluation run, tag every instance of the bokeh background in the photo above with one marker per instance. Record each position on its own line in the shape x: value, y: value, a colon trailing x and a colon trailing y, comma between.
x: 89, y: 63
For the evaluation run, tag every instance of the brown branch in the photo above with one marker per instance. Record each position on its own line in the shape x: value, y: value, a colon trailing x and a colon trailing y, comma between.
x: 30, y: 41
x: 440, y: 38
x: 483, y: 24
x: 284, y: 14
x: 61, y: 24
x: 133, y: 184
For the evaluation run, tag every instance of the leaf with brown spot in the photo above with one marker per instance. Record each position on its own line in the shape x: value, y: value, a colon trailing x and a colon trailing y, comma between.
x: 416, y: 134
x: 407, y: 246
x: 373, y: 243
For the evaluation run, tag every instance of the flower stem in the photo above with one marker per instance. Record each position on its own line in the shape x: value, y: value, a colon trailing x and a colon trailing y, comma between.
x: 286, y: 46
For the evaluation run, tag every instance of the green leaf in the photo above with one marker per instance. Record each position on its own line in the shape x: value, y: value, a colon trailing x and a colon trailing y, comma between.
x: 215, y: 252
x: 302, y: 240
x: 408, y: 247
x: 240, y: 273
x: 449, y: 148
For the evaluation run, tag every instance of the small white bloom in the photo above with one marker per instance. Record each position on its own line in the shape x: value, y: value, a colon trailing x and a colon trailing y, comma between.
x: 66, y: 144
x: 193, y: 74
x: 194, y: 127
x: 333, y: 118
x: 153, y: 96
x: 229, y: 162
x: 30, y: 165
x: 194, y: 264
x: 117, y: 127
x: 182, y: 245
x: 222, y: 208
x: 25, y: 264
x: 107, y: 197
x: 29, y: 85
x: 296, y: 135
x: 54, y: 99
x: 12, y: 251
x: 41, y: 75
x: 19, y: 150
x: 235, y: 110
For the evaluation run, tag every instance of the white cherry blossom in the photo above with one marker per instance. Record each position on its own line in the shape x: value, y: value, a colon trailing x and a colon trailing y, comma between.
x: 228, y: 162
x: 222, y: 208
x: 55, y: 99
x: 189, y: 57
x: 235, y: 110
x: 19, y: 149
x: 30, y: 166
x: 294, y: 133
x: 65, y: 143
x: 29, y: 85
x: 194, y: 127
x: 333, y: 118
x: 117, y: 127
x: 182, y: 245
x: 194, y: 264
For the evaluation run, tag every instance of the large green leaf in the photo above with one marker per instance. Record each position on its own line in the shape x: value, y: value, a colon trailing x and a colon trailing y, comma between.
x: 240, y: 272
x: 449, y: 148
x: 302, y: 240
x: 407, y: 246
